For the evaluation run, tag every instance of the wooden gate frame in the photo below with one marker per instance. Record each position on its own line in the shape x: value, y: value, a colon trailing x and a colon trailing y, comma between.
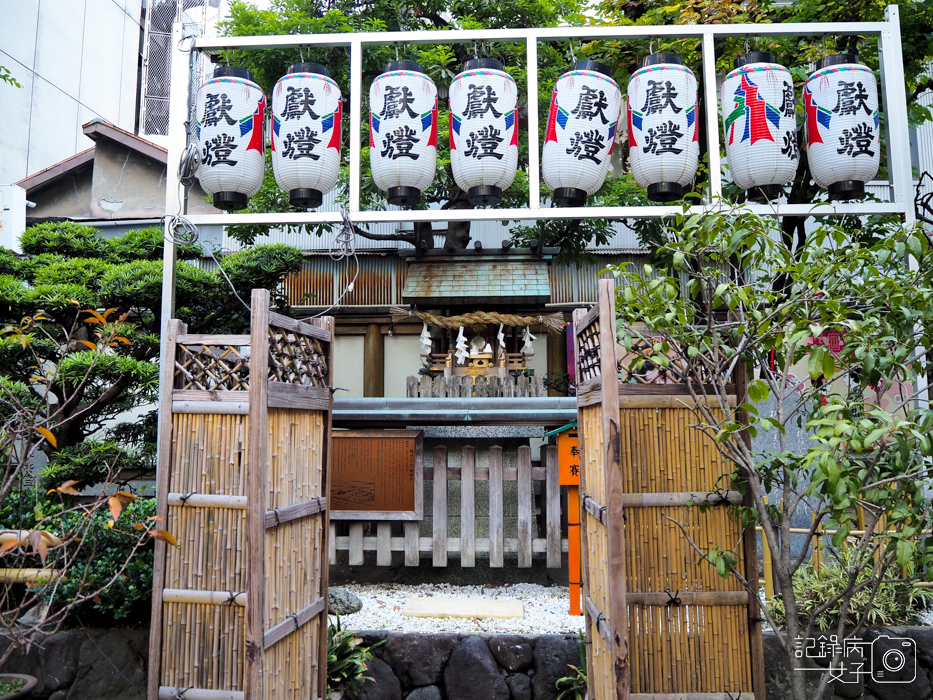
x: 296, y: 360
x: 596, y: 358
x: 594, y: 337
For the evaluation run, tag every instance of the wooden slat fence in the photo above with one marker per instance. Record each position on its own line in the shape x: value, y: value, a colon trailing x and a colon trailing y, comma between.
x: 439, y: 545
x: 659, y: 624
x: 457, y: 387
x: 239, y: 607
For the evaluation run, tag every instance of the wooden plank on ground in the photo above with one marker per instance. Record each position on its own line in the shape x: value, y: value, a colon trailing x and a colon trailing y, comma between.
x: 467, y: 507
x: 440, y: 506
x: 496, y: 532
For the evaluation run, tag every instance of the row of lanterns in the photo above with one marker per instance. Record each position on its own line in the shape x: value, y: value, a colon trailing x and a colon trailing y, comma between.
x: 758, y: 114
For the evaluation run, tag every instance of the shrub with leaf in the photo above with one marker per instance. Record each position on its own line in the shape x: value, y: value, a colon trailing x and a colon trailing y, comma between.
x: 893, y: 602
x: 346, y: 660
x: 573, y: 686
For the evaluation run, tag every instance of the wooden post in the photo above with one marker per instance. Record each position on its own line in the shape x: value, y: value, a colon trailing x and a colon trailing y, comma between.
x: 552, y: 509
x: 578, y: 317
x: 496, y: 533
x: 327, y: 323
x: 166, y: 379
x: 573, y: 546
x: 612, y: 444
x: 524, y: 506
x: 256, y: 491
x: 374, y: 353
x: 556, y: 358
x: 467, y: 507
x: 440, y: 506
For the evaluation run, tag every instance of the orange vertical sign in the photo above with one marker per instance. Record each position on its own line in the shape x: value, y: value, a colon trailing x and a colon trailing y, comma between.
x: 568, y: 459
x: 568, y: 474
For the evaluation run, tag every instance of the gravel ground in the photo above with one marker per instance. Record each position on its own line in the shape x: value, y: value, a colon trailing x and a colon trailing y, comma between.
x: 546, y: 609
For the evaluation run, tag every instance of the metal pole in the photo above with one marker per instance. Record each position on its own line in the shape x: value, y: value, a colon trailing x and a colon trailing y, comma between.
x: 177, y: 139
x: 711, y: 98
x: 356, y: 107
x: 534, y: 170
x: 899, y: 167
x: 214, y: 44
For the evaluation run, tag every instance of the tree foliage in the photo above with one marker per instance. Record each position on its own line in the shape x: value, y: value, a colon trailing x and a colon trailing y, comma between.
x: 869, y: 438
x: 52, y: 338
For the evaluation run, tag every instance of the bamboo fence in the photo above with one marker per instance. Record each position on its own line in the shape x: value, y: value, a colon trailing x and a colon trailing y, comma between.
x: 239, y: 606
x: 660, y: 625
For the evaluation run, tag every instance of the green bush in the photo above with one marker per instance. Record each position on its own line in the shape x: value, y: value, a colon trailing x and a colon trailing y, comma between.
x: 10, y: 264
x: 103, y: 551
x: 346, y: 660
x: 147, y: 244
x: 89, y: 463
x: 64, y: 238
x: 82, y: 271
x: 895, y: 603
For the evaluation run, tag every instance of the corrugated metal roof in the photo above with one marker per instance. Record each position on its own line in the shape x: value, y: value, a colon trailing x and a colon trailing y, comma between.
x: 486, y: 281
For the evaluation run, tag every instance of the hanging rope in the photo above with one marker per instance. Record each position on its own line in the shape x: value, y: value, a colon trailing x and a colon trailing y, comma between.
x: 553, y: 323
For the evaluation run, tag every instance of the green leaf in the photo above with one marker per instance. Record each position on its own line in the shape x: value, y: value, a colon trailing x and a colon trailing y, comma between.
x: 815, y: 362
x: 905, y: 552
x: 829, y: 364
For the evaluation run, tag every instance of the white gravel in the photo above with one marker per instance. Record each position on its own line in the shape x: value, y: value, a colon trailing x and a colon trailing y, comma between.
x: 547, y: 609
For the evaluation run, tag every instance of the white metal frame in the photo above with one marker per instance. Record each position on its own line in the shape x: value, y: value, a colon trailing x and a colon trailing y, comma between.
x: 892, y: 87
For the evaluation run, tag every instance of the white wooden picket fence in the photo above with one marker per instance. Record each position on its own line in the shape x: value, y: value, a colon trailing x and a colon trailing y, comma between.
x: 387, y: 537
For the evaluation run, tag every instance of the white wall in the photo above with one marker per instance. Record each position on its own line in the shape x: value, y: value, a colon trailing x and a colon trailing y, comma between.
x: 12, y: 216
x: 348, y: 365
x: 77, y: 60
x: 402, y: 360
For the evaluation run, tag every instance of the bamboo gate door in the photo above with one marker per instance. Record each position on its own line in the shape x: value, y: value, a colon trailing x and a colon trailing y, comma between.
x: 659, y: 626
x: 239, y: 606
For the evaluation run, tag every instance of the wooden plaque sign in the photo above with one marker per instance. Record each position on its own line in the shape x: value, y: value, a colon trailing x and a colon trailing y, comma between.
x: 377, y: 475
x: 568, y: 458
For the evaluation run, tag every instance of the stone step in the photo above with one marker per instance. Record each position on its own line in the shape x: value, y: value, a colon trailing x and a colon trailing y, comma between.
x: 463, y: 607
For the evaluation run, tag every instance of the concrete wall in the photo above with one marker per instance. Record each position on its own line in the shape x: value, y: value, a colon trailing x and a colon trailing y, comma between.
x: 76, y: 60
x: 67, y: 197
x: 126, y: 183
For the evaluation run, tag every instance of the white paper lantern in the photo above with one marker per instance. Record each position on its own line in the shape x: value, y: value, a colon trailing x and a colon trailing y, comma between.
x: 229, y: 127
x: 663, y: 127
x: 403, y: 132
x: 760, y: 125
x: 843, y: 133
x: 483, y: 130
x: 585, y: 108
x: 306, y: 120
